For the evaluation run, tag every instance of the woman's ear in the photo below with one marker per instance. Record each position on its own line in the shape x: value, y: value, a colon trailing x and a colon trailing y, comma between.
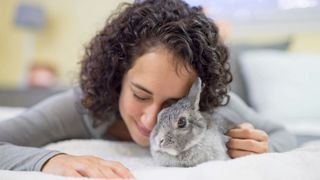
x: 194, y: 93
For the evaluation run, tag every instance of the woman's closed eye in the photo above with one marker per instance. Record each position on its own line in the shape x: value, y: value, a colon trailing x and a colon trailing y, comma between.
x: 139, y: 97
x: 169, y: 103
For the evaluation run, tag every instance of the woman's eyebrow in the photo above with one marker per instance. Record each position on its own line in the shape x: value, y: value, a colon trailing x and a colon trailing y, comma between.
x: 141, y: 87
x: 149, y: 92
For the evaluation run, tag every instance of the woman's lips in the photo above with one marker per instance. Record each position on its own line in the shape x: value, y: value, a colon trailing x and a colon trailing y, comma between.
x: 144, y: 131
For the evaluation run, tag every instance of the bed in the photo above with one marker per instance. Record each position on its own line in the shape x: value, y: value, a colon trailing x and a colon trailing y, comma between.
x: 249, y: 81
x: 300, y: 163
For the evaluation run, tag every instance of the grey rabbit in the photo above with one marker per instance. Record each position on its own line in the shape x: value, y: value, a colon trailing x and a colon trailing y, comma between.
x: 183, y: 136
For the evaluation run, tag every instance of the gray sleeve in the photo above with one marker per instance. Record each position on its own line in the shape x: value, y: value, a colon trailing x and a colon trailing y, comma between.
x: 54, y: 119
x: 280, y: 140
x: 20, y: 158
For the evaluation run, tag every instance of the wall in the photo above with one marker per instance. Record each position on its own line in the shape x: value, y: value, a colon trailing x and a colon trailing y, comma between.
x: 71, y: 24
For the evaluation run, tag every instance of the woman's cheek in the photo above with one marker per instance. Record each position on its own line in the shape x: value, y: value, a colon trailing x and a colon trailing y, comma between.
x: 134, y: 108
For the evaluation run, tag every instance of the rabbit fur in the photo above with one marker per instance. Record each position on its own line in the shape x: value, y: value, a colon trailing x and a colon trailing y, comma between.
x: 183, y: 136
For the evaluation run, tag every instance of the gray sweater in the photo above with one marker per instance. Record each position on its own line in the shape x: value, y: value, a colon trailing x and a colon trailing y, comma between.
x: 61, y: 117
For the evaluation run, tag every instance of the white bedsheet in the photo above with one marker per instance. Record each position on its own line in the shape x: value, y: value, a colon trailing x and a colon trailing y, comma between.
x: 301, y: 163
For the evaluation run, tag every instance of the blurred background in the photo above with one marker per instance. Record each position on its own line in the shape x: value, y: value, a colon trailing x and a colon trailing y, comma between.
x: 41, y: 43
x: 274, y: 51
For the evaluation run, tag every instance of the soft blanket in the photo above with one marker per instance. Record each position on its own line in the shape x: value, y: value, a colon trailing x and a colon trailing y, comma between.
x: 301, y: 163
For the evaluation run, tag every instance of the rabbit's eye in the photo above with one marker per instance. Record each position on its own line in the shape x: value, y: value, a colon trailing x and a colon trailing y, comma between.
x: 169, y: 103
x: 182, y: 122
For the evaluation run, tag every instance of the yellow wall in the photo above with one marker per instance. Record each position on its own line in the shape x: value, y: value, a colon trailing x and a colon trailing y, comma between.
x: 10, y: 45
x: 71, y: 24
x: 306, y: 42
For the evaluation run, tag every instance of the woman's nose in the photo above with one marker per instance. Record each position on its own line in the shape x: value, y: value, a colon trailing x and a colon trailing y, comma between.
x: 149, y: 118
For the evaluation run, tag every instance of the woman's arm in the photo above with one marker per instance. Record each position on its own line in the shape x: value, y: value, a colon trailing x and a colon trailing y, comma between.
x: 54, y: 119
x: 279, y: 140
x: 20, y: 158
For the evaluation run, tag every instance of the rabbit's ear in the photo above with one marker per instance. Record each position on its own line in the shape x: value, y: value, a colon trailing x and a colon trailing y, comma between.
x: 194, y: 93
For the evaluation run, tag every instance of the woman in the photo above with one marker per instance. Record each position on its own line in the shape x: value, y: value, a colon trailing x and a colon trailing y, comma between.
x: 144, y: 59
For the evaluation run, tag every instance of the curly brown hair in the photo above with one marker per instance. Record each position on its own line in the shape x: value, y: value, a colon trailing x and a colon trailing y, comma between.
x: 132, y: 31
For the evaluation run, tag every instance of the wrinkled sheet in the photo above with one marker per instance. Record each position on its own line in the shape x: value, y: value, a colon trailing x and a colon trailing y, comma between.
x: 300, y: 163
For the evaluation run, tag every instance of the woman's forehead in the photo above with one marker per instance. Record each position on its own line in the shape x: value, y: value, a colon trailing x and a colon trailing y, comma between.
x: 156, y: 71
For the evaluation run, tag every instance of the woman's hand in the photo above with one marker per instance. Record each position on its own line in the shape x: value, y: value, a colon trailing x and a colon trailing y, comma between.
x: 85, y: 166
x: 246, y: 140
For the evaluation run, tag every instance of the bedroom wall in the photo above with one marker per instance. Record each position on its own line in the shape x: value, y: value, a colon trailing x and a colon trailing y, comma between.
x: 10, y: 45
x: 72, y: 23
x: 308, y: 42
x: 70, y: 26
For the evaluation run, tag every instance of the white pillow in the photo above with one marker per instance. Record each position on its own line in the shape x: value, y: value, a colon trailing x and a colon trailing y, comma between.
x: 282, y: 85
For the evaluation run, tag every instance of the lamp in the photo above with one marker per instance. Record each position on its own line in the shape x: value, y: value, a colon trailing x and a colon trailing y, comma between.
x: 30, y: 17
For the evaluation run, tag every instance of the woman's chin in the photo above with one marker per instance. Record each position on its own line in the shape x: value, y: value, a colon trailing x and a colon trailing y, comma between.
x: 138, y: 136
x: 141, y: 140
x: 144, y: 144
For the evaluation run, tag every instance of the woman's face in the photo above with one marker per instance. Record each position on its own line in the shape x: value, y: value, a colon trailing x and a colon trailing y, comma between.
x: 151, y: 84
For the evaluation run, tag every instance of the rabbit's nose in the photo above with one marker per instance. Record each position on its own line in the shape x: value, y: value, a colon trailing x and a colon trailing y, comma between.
x: 161, y: 142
